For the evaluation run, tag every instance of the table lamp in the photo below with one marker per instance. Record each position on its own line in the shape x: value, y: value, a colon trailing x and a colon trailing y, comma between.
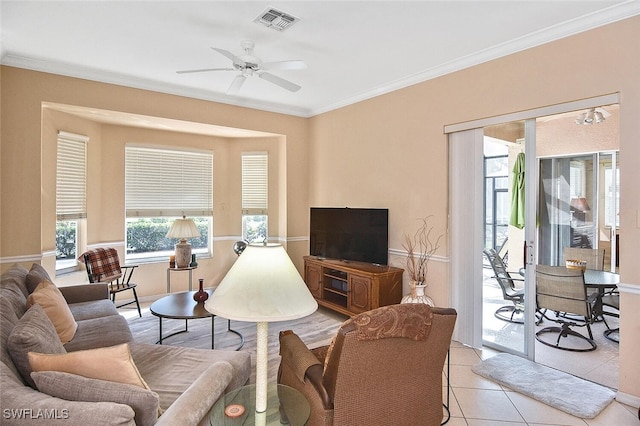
x: 182, y: 229
x: 262, y: 286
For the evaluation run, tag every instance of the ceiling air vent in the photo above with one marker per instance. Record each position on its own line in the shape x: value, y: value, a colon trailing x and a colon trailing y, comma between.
x: 275, y: 19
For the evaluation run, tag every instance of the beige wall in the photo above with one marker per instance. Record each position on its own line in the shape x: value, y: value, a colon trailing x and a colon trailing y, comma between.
x: 391, y: 151
x: 388, y: 151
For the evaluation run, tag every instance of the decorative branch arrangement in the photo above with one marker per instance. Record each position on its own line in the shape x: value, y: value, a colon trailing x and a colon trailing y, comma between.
x: 420, y: 248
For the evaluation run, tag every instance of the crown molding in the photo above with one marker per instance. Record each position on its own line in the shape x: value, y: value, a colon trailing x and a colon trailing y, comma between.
x: 35, y: 64
x: 590, y: 21
x: 602, y: 17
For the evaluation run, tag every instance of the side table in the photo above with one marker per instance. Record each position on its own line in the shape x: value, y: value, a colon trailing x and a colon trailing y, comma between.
x: 188, y: 268
x: 285, y: 406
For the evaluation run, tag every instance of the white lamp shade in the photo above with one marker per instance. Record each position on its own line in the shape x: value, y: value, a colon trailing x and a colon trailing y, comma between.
x: 183, y: 229
x: 263, y: 285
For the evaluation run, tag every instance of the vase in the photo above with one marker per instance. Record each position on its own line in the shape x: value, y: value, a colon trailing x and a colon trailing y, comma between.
x: 417, y: 295
x: 200, y: 295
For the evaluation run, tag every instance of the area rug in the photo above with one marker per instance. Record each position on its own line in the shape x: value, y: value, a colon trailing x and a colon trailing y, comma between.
x: 557, y: 389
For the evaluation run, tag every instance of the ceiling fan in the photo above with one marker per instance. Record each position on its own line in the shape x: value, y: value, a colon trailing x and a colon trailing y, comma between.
x: 248, y: 65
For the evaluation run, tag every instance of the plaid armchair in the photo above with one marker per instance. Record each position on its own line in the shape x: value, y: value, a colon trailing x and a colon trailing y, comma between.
x: 103, y: 266
x: 383, y: 367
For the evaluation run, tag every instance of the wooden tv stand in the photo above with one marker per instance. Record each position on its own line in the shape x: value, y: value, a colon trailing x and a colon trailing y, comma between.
x: 352, y: 287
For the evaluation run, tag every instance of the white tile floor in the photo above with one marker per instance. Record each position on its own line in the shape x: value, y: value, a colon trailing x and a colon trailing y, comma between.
x: 476, y: 401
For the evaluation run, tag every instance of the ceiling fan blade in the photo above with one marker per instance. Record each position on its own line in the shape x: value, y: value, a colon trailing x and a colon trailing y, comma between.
x: 285, y: 84
x: 284, y: 65
x: 236, y: 84
x: 205, y: 70
x: 229, y: 55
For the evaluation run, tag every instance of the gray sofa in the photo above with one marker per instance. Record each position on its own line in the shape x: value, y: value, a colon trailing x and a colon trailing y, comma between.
x: 183, y: 382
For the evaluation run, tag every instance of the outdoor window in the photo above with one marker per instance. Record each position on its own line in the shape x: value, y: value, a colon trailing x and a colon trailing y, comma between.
x: 577, y: 170
x: 612, y: 197
x: 255, y: 190
x: 71, y: 198
x: 160, y: 186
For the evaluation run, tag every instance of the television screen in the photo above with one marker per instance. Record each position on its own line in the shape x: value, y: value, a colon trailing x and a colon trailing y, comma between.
x: 359, y: 234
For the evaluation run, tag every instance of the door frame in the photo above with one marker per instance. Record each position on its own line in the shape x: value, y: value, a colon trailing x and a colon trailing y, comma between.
x: 465, y: 214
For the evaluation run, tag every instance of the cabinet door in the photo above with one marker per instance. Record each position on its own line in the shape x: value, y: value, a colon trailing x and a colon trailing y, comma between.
x: 313, y: 278
x: 359, y: 294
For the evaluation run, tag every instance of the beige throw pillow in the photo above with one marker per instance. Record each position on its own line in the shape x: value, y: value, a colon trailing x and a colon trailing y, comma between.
x: 55, y: 306
x: 113, y: 364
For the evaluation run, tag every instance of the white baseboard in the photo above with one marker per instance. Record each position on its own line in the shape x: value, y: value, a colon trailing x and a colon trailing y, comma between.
x: 627, y: 399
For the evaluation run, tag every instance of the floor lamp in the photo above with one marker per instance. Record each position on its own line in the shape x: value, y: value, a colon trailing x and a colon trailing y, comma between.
x: 262, y: 286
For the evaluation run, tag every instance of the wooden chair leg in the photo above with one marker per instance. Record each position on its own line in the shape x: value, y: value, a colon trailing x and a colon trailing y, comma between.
x: 135, y: 296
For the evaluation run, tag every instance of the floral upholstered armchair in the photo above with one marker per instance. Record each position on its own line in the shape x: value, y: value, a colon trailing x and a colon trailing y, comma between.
x: 383, y: 367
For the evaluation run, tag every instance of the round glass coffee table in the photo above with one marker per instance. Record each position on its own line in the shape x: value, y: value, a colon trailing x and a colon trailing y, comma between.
x: 182, y: 306
x: 285, y: 406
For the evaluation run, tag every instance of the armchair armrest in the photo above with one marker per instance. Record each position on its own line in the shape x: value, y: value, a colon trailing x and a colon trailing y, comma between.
x: 85, y: 292
x: 303, y: 364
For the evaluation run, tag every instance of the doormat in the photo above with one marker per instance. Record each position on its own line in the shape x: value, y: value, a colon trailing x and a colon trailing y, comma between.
x: 571, y: 394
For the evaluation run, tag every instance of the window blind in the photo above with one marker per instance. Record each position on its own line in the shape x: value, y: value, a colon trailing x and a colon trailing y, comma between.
x: 168, y: 183
x: 71, y: 176
x: 255, y: 183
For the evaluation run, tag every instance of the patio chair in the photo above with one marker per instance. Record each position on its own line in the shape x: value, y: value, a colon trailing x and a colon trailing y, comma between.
x: 103, y: 266
x: 512, y: 313
x: 562, y: 290
x: 611, y: 299
x: 593, y: 257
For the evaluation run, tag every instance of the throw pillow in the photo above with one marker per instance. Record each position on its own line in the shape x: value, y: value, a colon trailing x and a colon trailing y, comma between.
x: 113, y: 363
x: 55, y: 306
x: 72, y: 387
x: 34, y: 332
x: 36, y: 275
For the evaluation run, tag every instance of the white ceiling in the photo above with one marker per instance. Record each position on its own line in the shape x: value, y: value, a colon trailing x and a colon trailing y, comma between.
x: 354, y: 49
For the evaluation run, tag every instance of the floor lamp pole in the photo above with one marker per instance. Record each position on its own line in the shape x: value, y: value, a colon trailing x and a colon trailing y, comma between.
x: 262, y: 366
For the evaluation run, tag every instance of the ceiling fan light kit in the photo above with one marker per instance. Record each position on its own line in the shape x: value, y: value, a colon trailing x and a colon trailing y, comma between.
x: 248, y: 64
x: 593, y: 115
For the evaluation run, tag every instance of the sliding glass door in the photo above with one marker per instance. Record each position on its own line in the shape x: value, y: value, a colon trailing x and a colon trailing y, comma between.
x: 481, y: 184
x: 579, y: 203
x: 505, y: 313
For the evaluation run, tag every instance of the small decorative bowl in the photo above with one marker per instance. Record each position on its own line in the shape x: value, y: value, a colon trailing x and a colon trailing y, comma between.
x: 576, y: 264
x: 234, y: 410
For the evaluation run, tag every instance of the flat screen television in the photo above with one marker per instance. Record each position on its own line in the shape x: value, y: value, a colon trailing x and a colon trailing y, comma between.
x: 357, y: 234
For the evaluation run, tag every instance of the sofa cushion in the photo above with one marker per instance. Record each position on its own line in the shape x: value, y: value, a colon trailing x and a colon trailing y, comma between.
x: 8, y: 320
x: 113, y: 364
x: 93, y: 309
x: 78, y: 388
x: 47, y: 295
x: 16, y: 396
x: 36, y: 275
x: 100, y: 332
x: 170, y: 370
x: 15, y: 277
x: 33, y: 332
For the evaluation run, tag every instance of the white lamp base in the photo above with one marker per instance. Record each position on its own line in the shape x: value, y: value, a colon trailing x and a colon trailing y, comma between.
x: 183, y: 254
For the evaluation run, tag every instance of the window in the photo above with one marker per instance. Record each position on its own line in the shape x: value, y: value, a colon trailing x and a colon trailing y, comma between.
x: 577, y: 171
x: 71, y: 197
x: 612, y: 197
x: 255, y: 190
x: 160, y: 186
